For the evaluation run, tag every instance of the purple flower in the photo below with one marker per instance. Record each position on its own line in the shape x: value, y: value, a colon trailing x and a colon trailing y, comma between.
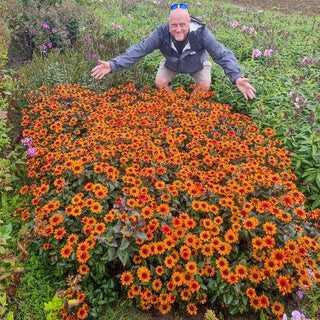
x: 244, y: 28
x: 284, y: 317
x: 88, y: 39
x: 311, y: 273
x: 296, y: 315
x: 27, y: 141
x: 4, y: 116
x: 31, y: 152
x: 113, y: 25
x: 299, y: 293
x: 119, y: 26
x: 256, y: 53
x: 54, y: 30
x: 90, y: 56
x: 46, y: 26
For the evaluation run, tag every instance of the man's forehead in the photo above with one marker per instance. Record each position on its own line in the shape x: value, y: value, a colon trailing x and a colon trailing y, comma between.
x: 179, y: 14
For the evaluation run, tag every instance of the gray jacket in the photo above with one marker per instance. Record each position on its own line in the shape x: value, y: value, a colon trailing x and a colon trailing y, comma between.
x: 200, y: 42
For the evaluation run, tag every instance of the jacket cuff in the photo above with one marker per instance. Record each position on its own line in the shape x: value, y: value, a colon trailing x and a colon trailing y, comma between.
x: 233, y: 79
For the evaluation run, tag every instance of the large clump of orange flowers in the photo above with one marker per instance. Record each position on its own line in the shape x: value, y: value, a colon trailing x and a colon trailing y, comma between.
x: 197, y: 203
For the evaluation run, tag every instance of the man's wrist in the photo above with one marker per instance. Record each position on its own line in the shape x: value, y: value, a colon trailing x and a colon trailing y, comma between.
x: 235, y: 81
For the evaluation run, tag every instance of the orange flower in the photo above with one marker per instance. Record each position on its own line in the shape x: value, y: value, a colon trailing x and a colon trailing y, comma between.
x: 269, y: 228
x: 56, y: 219
x: 232, y: 278
x: 177, y: 278
x: 59, y: 233
x: 283, y: 284
x: 156, y: 285
x: 163, y: 209
x: 250, y: 223
x: 83, y: 256
x: 192, y: 309
x: 144, y: 274
x: 185, y: 294
x: 194, y: 286
x: 145, y: 251
x: 277, y: 309
x: 83, y: 269
x: 264, y: 301
x: 231, y: 236
x: 241, y: 271
x: 126, y: 278
x: 100, y: 228
x: 66, y: 251
x: 191, y: 267
x: 159, y: 270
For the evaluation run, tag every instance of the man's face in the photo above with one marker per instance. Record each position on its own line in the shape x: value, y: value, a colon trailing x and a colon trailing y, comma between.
x: 179, y: 23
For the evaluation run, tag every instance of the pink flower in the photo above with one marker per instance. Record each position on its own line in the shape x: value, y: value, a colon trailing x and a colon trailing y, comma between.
x: 130, y: 16
x: 268, y: 52
x: 233, y: 24
x: 198, y: 4
x: 45, y: 26
x: 256, y: 53
x: 54, y: 30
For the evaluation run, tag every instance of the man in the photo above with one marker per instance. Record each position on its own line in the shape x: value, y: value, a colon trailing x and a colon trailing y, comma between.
x: 184, y: 42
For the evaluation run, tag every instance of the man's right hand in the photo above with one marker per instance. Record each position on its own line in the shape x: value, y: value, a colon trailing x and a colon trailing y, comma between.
x: 101, y: 70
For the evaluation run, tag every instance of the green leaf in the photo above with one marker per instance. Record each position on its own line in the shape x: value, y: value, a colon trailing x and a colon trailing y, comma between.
x: 110, y: 255
x: 316, y: 204
x: 318, y: 179
x: 125, y: 243
x: 142, y: 236
x: 262, y: 316
x: 123, y: 256
x: 5, y: 231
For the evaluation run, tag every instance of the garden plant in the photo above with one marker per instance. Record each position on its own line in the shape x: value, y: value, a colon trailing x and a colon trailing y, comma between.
x: 114, y: 191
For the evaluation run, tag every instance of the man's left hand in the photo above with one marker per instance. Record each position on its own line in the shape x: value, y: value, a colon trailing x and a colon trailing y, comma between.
x: 247, y: 89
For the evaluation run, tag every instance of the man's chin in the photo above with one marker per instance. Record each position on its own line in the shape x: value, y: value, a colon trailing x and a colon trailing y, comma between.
x: 179, y: 38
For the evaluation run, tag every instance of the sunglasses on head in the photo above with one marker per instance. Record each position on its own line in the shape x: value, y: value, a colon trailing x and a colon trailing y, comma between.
x: 181, y: 5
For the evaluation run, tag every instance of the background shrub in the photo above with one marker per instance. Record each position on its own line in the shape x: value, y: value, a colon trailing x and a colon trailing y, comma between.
x: 38, y: 26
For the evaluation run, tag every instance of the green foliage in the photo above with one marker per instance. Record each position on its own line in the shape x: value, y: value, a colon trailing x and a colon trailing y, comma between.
x: 53, y: 307
x: 36, y: 287
x: 10, y: 271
